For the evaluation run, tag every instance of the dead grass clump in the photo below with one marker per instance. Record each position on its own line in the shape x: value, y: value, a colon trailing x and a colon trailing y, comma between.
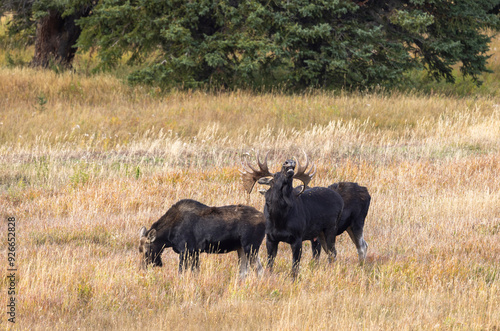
x: 85, y: 162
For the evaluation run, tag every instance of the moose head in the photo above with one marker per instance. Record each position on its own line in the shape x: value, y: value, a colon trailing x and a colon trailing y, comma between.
x: 285, y: 176
x: 148, y: 253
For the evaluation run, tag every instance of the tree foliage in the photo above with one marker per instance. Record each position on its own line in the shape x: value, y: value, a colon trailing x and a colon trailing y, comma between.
x: 22, y: 23
x: 50, y: 25
x: 26, y: 13
x: 295, y: 43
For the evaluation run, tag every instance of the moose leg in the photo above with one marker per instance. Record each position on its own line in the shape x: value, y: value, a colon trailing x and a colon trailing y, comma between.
x: 182, y: 262
x: 296, y: 253
x: 322, y: 241
x: 195, y: 261
x: 358, y: 240
x: 253, y: 258
x: 189, y: 259
x: 272, y: 250
x: 316, y: 249
x: 256, y: 260
x: 328, y: 242
x: 243, y: 261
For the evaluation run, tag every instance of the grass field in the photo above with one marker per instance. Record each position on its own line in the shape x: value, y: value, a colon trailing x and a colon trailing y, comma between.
x: 85, y: 161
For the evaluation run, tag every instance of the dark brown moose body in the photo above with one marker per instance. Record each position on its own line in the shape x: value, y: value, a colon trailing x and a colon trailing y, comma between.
x: 356, y: 203
x: 296, y: 215
x: 191, y: 228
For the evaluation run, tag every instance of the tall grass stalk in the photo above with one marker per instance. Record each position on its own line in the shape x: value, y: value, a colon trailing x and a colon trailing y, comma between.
x: 101, y: 159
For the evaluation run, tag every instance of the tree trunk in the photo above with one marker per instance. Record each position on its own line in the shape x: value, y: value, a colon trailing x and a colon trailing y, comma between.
x: 55, y: 40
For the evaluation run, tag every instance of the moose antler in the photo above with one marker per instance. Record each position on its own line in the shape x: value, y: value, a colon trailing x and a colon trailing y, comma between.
x: 302, y: 175
x: 249, y: 175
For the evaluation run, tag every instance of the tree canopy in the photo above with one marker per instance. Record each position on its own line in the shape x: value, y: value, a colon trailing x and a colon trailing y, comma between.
x: 292, y: 43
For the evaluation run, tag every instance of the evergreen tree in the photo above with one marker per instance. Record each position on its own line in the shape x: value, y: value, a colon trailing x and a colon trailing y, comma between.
x: 296, y: 43
x: 50, y: 25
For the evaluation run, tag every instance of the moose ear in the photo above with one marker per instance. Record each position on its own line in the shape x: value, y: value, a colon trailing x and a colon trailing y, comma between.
x: 265, y: 181
x: 152, y: 235
x: 142, y: 232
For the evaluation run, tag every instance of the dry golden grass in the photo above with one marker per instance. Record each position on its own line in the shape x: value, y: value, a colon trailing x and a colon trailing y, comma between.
x: 84, y: 162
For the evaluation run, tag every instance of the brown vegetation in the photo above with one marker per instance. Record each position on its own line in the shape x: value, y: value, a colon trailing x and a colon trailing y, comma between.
x: 84, y: 162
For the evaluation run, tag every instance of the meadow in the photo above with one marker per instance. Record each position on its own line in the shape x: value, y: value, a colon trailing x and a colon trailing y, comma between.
x: 86, y: 160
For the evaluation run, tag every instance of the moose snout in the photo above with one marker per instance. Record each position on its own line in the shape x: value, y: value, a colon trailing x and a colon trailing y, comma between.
x: 289, y: 167
x: 289, y: 164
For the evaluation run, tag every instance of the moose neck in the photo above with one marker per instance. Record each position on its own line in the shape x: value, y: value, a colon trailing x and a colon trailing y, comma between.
x: 279, y: 200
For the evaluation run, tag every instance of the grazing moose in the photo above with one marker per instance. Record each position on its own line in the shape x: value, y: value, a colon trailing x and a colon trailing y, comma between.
x: 356, y: 203
x: 293, y: 216
x: 190, y: 227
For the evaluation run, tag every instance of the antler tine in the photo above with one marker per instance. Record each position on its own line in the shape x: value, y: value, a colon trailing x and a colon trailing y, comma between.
x: 313, y: 170
x: 252, y: 169
x: 250, y: 175
x: 301, y: 169
x: 301, y: 174
x: 248, y: 168
x: 263, y: 166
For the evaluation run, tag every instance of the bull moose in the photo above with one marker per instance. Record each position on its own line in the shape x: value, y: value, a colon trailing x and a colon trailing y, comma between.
x: 190, y: 228
x: 295, y: 215
x: 356, y: 204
